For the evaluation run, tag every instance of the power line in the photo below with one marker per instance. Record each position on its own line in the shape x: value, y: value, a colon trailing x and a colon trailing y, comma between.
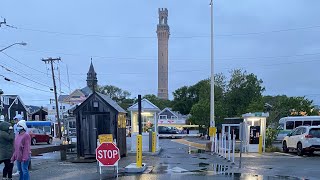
x: 23, y: 63
x: 177, y: 37
x: 179, y: 59
x: 7, y: 69
x: 7, y: 79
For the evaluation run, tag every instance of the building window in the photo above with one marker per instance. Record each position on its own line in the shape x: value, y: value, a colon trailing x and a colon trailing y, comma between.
x: 53, y: 107
x: 17, y: 101
x: 6, y: 100
x: 22, y: 114
x: 63, y: 107
x: 60, y: 107
x: 173, y: 117
x: 163, y: 117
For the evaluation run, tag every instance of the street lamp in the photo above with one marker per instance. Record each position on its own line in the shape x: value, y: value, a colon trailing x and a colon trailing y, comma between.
x: 21, y: 43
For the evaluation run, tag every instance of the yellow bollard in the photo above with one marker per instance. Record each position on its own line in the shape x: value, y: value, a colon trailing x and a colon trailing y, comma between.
x: 260, y: 144
x: 139, y: 151
x: 154, y: 142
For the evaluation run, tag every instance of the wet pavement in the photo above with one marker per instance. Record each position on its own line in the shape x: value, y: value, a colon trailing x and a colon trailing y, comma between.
x: 179, y: 161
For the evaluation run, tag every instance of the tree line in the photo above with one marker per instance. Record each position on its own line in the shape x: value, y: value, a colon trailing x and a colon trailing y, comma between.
x: 234, y: 96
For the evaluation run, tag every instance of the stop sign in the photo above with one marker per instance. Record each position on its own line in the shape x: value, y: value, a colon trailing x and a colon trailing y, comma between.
x: 107, y: 154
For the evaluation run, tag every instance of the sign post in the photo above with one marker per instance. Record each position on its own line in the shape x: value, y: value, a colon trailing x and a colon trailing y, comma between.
x: 139, y: 136
x: 108, y: 154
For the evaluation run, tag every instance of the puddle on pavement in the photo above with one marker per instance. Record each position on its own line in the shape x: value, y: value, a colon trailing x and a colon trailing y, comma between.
x: 195, y: 151
x: 204, y: 176
x: 203, y: 164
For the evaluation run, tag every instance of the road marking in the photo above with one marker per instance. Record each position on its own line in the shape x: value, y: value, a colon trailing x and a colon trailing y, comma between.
x: 177, y: 170
x: 190, y: 144
x: 285, y: 154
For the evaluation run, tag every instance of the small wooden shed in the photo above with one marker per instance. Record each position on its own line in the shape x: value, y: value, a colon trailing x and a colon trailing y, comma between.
x: 99, y: 114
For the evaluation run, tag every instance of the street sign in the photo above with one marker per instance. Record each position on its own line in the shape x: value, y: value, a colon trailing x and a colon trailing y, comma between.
x: 107, y: 154
x: 103, y: 138
x: 212, y: 131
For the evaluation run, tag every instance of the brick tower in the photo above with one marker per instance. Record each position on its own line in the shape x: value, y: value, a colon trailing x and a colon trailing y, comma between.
x: 163, y: 32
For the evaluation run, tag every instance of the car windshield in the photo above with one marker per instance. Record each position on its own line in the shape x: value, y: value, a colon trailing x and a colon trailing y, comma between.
x: 315, y: 132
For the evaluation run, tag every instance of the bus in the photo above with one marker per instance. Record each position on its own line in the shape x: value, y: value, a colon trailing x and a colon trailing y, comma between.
x: 287, y: 124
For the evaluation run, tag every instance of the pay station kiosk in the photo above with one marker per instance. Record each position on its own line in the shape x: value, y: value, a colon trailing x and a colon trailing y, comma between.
x: 254, y: 125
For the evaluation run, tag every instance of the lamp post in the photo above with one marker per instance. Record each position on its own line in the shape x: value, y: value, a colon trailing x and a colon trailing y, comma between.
x: 212, y: 121
x: 21, y: 43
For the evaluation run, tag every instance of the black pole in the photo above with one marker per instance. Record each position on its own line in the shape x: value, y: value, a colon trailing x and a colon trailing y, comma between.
x: 139, y: 114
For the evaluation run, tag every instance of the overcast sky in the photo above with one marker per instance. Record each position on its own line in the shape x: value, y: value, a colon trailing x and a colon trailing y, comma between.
x: 276, y: 40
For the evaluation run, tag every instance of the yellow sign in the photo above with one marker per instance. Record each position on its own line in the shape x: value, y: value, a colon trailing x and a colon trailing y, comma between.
x: 139, y: 151
x: 212, y: 131
x: 154, y: 142
x: 105, y: 138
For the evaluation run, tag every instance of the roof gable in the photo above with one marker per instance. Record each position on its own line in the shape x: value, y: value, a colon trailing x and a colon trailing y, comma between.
x: 145, y: 105
x: 111, y: 102
x: 168, y: 110
x: 19, y: 99
x: 104, y: 98
x: 76, y: 92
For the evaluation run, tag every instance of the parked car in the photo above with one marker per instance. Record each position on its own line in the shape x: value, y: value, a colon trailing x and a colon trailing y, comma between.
x: 39, y: 136
x: 168, y: 130
x: 305, y: 139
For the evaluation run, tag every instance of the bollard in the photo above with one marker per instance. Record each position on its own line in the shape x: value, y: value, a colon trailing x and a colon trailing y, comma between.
x: 233, y: 147
x: 225, y: 146
x: 229, y: 147
x: 260, y: 144
x: 139, y: 151
x: 220, y: 145
x: 215, y: 144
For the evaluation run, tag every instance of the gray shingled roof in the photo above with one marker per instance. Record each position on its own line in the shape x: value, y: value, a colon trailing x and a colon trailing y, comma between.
x: 112, y: 103
x: 86, y: 91
x: 62, y: 97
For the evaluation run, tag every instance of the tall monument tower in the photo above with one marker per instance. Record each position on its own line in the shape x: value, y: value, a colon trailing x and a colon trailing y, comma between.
x: 163, y: 32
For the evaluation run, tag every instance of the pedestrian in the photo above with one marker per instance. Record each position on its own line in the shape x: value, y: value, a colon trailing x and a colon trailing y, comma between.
x: 6, y: 149
x: 22, y: 153
x: 16, y: 119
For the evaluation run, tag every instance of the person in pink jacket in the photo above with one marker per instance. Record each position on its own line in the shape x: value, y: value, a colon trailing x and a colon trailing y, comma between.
x: 22, y: 150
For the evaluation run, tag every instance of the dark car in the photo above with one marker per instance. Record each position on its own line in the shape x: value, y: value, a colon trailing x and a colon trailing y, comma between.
x: 39, y: 136
x: 167, y: 130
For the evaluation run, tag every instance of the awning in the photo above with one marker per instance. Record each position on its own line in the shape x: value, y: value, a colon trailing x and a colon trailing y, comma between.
x: 38, y: 123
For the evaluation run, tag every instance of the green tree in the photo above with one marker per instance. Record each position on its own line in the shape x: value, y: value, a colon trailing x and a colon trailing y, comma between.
x: 184, y: 98
x: 283, y: 106
x: 200, y: 111
x: 243, y: 90
x: 118, y: 95
x: 160, y: 103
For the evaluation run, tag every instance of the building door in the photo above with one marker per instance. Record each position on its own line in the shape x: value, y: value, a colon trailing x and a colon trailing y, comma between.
x: 89, y: 135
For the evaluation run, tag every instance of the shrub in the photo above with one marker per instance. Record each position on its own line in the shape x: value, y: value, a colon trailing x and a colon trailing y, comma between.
x: 271, y: 136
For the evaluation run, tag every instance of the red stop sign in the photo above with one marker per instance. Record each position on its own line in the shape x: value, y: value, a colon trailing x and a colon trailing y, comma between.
x: 107, y: 154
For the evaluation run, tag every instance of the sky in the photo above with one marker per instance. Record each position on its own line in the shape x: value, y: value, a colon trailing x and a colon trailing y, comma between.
x: 276, y: 40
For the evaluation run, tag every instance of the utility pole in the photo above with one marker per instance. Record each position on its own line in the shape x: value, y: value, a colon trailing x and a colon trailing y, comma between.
x: 212, y: 121
x: 50, y: 61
